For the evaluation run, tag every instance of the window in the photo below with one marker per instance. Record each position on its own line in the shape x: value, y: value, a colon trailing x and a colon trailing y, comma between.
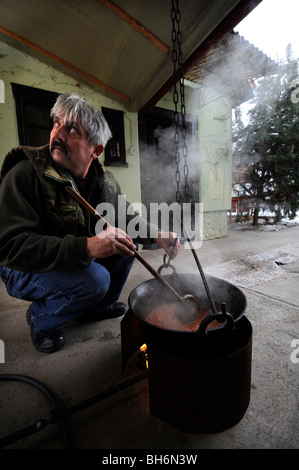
x: 115, y: 150
x: 33, y: 107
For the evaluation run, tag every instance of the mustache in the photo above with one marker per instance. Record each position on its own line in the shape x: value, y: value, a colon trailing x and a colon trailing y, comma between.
x: 58, y: 144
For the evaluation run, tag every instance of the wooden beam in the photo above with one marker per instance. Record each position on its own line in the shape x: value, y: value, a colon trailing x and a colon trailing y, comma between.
x: 60, y: 61
x: 135, y: 24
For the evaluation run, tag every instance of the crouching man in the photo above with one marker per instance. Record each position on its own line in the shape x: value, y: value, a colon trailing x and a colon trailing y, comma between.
x: 50, y: 254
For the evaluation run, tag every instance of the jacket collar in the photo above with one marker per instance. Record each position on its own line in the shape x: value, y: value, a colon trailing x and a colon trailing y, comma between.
x: 50, y: 169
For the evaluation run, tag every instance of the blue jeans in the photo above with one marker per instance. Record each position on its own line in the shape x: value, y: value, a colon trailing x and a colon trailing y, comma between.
x: 63, y: 295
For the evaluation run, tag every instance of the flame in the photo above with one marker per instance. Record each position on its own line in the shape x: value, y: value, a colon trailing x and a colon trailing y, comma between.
x: 143, y: 348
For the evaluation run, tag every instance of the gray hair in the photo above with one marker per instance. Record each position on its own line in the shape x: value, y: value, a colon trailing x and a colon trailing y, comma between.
x: 72, y: 107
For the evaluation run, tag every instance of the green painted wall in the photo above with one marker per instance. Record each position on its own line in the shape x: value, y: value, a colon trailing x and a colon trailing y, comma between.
x: 214, y: 113
x: 215, y: 157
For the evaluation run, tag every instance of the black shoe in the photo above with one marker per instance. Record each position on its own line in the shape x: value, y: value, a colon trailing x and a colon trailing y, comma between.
x: 49, y: 343
x: 115, y: 310
x: 118, y: 309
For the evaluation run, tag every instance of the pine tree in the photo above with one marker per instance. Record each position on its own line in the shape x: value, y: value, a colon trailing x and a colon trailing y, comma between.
x: 267, y: 148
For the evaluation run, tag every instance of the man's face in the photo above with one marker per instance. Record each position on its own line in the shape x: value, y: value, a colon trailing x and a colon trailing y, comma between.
x: 69, y: 147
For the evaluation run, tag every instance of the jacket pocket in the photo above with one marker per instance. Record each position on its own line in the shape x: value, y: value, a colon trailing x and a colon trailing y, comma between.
x: 65, y: 219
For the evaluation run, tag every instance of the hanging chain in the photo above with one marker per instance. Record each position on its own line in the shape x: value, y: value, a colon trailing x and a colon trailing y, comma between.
x: 178, y: 76
x: 175, y: 100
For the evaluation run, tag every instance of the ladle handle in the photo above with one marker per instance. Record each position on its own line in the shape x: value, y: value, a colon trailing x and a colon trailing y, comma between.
x: 140, y: 258
x: 203, y: 277
x: 156, y: 274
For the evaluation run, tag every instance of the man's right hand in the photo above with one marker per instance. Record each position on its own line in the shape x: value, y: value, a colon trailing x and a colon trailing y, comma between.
x: 111, y: 241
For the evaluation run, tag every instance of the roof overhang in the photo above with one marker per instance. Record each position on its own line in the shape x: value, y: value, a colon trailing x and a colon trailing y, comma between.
x: 122, y: 48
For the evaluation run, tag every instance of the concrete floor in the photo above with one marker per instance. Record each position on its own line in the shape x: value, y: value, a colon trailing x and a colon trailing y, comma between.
x: 91, y: 363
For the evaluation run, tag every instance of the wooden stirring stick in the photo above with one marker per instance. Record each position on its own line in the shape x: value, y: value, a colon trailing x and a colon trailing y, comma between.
x: 188, y: 308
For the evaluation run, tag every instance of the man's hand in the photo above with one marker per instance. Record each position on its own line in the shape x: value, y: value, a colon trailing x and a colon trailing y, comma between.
x: 166, y: 240
x: 111, y: 241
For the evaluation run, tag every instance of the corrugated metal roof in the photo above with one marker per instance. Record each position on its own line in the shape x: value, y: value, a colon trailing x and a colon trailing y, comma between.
x: 233, y: 58
x: 233, y: 65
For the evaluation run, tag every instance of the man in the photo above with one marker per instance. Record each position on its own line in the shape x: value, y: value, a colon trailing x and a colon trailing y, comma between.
x: 50, y: 254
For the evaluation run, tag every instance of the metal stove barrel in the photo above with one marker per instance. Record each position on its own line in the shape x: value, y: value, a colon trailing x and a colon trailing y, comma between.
x: 197, y: 384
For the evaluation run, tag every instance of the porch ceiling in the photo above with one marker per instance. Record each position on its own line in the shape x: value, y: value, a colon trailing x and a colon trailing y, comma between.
x: 122, y: 48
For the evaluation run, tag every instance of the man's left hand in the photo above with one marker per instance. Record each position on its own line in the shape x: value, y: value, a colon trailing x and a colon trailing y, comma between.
x: 166, y: 240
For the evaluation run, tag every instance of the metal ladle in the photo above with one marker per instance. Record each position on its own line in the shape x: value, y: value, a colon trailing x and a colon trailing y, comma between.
x: 187, y: 308
x: 212, y: 303
x: 222, y: 316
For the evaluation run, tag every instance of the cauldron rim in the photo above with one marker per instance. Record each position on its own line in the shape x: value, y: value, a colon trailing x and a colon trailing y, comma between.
x: 170, y: 277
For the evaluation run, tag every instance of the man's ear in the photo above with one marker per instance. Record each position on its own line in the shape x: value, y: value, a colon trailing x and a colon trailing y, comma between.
x: 98, y: 149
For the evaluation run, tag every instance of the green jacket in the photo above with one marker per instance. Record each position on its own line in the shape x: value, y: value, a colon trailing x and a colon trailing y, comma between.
x: 42, y: 226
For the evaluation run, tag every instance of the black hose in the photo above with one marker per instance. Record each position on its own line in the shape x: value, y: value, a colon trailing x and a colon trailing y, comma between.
x: 60, y: 414
x: 41, y: 424
x: 35, y: 383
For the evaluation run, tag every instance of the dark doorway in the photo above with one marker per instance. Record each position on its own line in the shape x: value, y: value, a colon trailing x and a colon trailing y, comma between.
x: 157, y: 158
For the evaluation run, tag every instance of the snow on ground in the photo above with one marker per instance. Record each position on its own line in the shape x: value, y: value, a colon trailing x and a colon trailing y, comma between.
x: 265, y: 225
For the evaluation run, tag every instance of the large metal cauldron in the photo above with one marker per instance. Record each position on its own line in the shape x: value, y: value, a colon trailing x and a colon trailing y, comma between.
x: 198, y: 383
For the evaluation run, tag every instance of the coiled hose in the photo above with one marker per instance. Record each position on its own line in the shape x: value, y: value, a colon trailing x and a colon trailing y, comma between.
x: 41, y: 424
x: 59, y: 414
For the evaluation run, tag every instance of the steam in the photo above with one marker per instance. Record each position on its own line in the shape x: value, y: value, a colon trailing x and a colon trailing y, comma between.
x: 158, y: 159
x: 226, y: 76
x: 167, y: 178
x: 230, y: 71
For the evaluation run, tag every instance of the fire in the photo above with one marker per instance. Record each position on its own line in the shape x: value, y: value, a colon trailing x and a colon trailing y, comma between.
x: 143, y: 348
